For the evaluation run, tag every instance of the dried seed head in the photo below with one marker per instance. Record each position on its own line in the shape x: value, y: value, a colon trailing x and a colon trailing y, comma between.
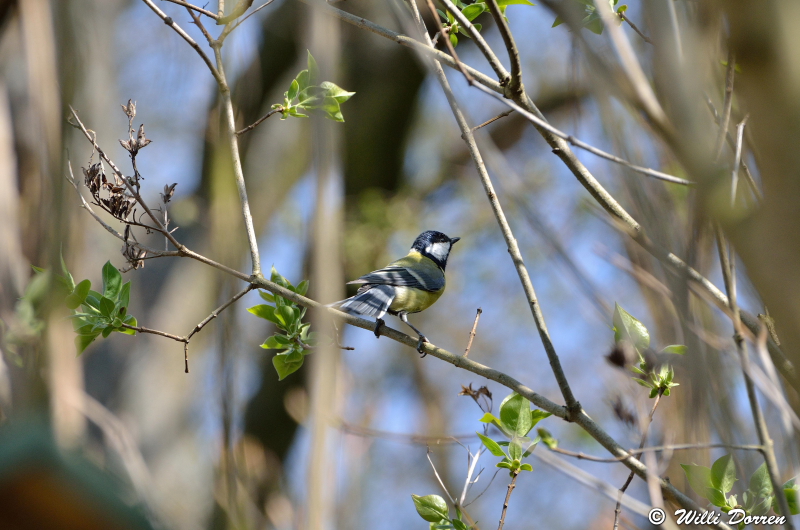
x: 141, y: 140
x: 169, y: 191
x: 94, y: 177
x: 130, y: 109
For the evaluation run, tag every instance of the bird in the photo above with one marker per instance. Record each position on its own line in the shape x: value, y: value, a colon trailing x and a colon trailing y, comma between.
x: 409, y: 285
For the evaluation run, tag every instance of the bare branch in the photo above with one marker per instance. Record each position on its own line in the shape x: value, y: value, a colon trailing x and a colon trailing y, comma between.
x: 657, y: 448
x: 729, y: 276
x: 737, y: 158
x: 637, y: 30
x: 726, y: 105
x: 448, y: 44
x: 515, y: 87
x: 185, y: 36
x: 476, y: 36
x: 259, y: 121
x: 187, y: 5
x: 472, y: 333
x: 510, y: 486
x: 501, y: 115
x: 214, y: 314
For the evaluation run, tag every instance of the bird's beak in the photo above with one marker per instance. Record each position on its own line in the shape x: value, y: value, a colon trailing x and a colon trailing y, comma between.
x: 454, y: 239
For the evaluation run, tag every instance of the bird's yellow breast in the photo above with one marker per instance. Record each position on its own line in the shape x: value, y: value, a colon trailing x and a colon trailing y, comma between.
x: 413, y: 300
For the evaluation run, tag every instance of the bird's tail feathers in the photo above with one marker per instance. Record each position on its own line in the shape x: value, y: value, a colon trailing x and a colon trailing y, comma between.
x: 373, y: 301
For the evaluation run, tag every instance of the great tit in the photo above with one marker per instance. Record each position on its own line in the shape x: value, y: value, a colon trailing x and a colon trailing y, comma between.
x: 408, y: 285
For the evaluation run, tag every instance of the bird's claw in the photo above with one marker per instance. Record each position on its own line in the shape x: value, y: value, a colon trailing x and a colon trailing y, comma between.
x: 422, y: 339
x: 378, y: 327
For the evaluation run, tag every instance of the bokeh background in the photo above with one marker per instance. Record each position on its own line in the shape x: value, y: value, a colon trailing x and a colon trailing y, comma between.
x: 228, y: 445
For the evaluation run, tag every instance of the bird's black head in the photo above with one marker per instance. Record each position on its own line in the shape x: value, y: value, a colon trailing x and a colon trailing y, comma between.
x: 434, y: 245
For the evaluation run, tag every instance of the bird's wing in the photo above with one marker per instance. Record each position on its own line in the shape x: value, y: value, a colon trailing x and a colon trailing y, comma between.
x: 371, y: 300
x: 408, y: 272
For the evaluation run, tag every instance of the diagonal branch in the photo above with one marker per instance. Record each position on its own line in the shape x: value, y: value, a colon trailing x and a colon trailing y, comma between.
x: 573, y: 407
x: 187, y: 5
x: 515, y: 87
x: 476, y: 36
x: 185, y: 36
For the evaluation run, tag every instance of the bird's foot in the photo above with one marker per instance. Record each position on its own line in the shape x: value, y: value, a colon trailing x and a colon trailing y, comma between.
x: 378, y: 326
x: 419, y: 346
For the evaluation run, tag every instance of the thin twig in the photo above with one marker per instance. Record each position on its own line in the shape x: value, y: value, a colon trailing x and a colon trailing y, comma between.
x: 637, y: 30
x: 511, y: 486
x: 251, y: 13
x: 472, y: 333
x: 624, y: 487
x: 573, y: 407
x: 441, y: 483
x: 142, y: 329
x: 726, y: 105
x: 420, y: 439
x: 448, y: 44
x: 185, y: 36
x: 501, y: 115
x: 515, y: 87
x: 737, y: 158
x: 187, y: 5
x: 657, y: 448
x: 539, y: 122
x: 258, y: 121
x: 214, y: 314
x: 729, y: 276
x: 476, y: 36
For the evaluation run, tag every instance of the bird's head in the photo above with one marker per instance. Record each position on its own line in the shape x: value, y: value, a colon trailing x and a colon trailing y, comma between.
x: 434, y: 245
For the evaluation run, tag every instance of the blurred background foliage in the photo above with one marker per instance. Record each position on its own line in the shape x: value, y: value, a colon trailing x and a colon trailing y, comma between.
x: 226, y: 446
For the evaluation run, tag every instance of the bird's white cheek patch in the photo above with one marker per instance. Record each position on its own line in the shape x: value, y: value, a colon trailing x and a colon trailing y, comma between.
x: 438, y: 250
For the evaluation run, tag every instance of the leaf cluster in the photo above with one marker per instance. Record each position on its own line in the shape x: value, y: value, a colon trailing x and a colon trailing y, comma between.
x: 293, y: 337
x: 96, y: 314
x: 631, y: 331
x: 592, y: 20
x: 716, y: 482
x: 471, y: 12
x: 304, y: 95
x: 515, y: 422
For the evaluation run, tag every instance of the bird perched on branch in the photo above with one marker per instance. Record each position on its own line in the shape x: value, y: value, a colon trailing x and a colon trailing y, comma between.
x: 408, y: 285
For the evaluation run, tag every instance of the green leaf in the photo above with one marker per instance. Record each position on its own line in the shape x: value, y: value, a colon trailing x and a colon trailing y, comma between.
x: 716, y: 497
x: 131, y: 321
x: 537, y: 416
x: 472, y: 11
x: 107, y: 331
x: 69, y: 282
x: 276, y: 342
x: 302, y: 288
x: 547, y: 438
x: 790, y: 489
x: 453, y: 39
x: 266, y: 296
x: 294, y: 89
x: 491, y: 445
x: 723, y: 474
x: 626, y: 327
x: 679, y: 349
x: 125, y: 295
x: 557, y: 22
x: 313, y: 69
x: 432, y: 508
x: 79, y: 294
x: 494, y: 420
x: 285, y: 316
x: 82, y: 341
x: 302, y: 82
x: 699, y: 478
x: 107, y: 307
x: 515, y: 413
x: 459, y: 525
x: 338, y: 93
x: 526, y: 467
x: 287, y: 363
x: 505, y: 3
x: 267, y: 312
x: 112, y: 281
x: 515, y: 449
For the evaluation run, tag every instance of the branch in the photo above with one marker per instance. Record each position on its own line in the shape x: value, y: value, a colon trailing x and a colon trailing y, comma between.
x: 729, y: 276
x: 472, y: 333
x: 637, y: 30
x: 726, y: 105
x: 573, y: 407
x: 476, y: 36
x: 737, y: 158
x: 624, y: 487
x: 185, y: 36
x: 657, y: 448
x: 187, y: 5
x: 510, y: 486
x: 515, y: 87
x: 448, y: 44
x: 259, y: 121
